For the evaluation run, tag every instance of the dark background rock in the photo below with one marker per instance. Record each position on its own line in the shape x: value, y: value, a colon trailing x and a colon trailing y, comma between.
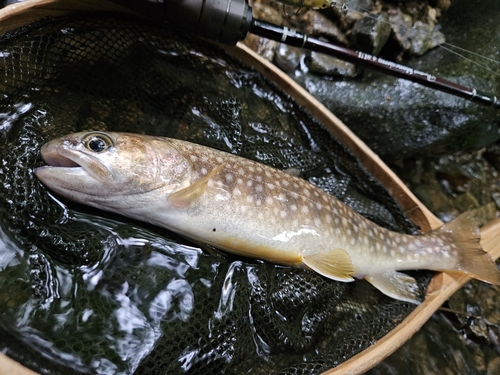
x: 397, y: 118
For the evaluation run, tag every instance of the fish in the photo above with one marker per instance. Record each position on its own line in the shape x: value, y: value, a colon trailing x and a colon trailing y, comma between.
x: 252, y: 210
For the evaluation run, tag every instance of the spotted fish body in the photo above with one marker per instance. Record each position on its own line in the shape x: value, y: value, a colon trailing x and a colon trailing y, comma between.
x: 252, y: 210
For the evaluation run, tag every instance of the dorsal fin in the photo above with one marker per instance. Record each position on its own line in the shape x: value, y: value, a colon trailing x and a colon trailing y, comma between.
x: 187, y: 196
x: 335, y: 264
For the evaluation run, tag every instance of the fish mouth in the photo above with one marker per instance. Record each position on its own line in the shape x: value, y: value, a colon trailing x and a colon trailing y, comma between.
x: 62, y: 171
x: 56, y: 159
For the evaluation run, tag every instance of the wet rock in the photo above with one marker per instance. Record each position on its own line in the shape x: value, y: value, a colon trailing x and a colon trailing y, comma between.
x: 453, y: 184
x: 327, y: 65
x: 440, y: 4
x: 350, y: 11
x: 492, y: 155
x: 288, y: 58
x: 264, y: 47
x: 424, y: 38
x: 494, y: 367
x: 456, y: 174
x: 316, y: 24
x: 370, y: 34
x: 398, y: 118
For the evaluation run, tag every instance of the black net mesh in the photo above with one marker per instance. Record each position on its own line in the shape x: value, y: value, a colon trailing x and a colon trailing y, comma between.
x: 83, y: 291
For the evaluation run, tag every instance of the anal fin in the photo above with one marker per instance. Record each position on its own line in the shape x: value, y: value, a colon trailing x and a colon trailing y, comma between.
x: 187, y: 196
x: 397, y: 285
x: 335, y: 264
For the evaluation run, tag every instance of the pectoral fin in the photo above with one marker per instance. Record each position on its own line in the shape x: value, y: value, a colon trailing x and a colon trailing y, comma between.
x: 335, y: 264
x: 187, y: 196
x: 396, y: 285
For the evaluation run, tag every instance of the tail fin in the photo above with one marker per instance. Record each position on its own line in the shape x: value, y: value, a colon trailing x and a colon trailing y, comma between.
x: 472, y: 259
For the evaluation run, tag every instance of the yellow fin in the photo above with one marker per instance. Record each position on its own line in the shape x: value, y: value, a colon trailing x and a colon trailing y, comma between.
x: 187, y: 196
x: 397, y: 285
x: 335, y: 264
x: 472, y: 259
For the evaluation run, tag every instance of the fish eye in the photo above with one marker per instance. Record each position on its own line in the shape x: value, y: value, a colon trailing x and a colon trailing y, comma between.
x: 98, y: 142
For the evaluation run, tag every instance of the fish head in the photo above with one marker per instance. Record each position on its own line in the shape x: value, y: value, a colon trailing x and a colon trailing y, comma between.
x: 106, y: 168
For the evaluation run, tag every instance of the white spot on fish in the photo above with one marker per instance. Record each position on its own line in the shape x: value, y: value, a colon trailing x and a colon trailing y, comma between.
x: 285, y: 183
x: 241, y: 171
x: 229, y: 177
x: 268, y: 174
x: 283, y: 214
x: 219, y: 159
x: 270, y: 186
x: 259, y: 178
x: 269, y: 201
x: 305, y: 209
x: 249, y: 183
x: 293, y: 207
x: 239, y: 181
x: 258, y: 202
x: 204, y: 171
x: 236, y: 192
x: 259, y: 188
x: 249, y: 199
x: 295, y: 185
x: 194, y: 158
x: 251, y: 169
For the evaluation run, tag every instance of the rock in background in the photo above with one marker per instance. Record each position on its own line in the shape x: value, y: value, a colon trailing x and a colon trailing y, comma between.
x: 395, y: 117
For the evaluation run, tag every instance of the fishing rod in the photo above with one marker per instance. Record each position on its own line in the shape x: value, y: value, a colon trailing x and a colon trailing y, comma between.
x: 229, y: 21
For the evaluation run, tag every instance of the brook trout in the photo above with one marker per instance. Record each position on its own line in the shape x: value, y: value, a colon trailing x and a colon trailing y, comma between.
x: 253, y: 210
